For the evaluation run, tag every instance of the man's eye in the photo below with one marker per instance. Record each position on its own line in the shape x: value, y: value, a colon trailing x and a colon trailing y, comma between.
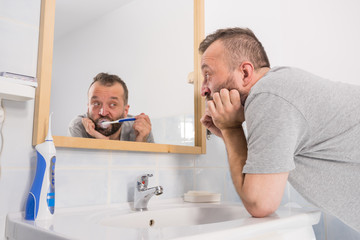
x: 95, y: 104
x: 206, y: 76
x: 113, y: 105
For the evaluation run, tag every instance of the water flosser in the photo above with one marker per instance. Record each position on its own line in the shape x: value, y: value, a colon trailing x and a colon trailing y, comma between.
x: 41, y: 200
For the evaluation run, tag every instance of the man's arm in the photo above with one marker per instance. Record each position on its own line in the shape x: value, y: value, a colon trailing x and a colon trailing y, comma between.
x: 76, y: 128
x: 261, y: 194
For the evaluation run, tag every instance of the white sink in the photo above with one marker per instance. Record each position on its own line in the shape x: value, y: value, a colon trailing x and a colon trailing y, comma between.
x: 166, y: 219
x: 175, y: 217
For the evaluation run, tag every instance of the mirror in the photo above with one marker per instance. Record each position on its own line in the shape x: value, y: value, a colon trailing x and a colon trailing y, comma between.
x: 147, y: 44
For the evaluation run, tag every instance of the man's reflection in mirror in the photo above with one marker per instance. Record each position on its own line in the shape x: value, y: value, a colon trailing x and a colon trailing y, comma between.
x: 108, y: 101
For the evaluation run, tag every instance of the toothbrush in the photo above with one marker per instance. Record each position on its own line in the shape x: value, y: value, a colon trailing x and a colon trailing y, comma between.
x: 106, y: 124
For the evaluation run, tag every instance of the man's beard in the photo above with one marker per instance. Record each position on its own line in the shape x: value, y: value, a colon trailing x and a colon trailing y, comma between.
x: 110, y: 129
x: 229, y: 84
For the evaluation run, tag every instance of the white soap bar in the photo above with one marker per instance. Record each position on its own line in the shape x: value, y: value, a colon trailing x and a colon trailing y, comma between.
x: 201, y: 196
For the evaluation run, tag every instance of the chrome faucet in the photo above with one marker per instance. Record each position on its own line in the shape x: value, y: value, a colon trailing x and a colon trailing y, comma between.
x: 143, y: 194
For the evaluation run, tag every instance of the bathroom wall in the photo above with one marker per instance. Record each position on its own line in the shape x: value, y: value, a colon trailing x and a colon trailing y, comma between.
x: 87, y: 177
x: 19, y: 29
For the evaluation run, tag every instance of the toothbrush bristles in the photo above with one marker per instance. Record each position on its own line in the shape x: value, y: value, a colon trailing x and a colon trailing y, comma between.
x: 105, y: 124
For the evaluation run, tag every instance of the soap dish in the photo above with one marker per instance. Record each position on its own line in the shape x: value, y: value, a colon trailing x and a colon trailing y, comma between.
x: 201, y: 197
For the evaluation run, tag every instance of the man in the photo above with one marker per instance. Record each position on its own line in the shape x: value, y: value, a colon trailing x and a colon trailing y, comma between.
x: 300, y: 127
x: 108, y: 101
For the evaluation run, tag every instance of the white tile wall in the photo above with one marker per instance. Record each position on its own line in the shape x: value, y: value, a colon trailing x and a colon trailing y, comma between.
x: 133, y: 159
x: 77, y: 158
x: 81, y: 186
x: 22, y: 11
x: 17, y: 134
x: 19, y: 26
x: 215, y: 148
x: 176, y: 160
x: 211, y: 179
x: 176, y: 181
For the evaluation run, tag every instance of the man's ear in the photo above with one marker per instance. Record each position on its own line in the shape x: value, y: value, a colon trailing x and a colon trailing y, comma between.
x: 126, y: 110
x: 247, y: 69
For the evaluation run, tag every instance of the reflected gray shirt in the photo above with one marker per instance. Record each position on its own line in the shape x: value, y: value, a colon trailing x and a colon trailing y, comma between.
x: 77, y: 129
x: 310, y: 127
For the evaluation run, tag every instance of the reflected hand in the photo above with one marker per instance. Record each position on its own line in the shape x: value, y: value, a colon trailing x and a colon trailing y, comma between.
x: 226, y: 110
x: 89, y: 126
x: 142, y: 127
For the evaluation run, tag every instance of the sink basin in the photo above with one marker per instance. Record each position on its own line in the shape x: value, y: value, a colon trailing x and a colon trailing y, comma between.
x: 176, y: 217
x: 166, y: 219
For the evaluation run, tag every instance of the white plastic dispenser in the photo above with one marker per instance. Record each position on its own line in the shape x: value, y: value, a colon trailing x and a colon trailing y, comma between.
x: 41, y: 199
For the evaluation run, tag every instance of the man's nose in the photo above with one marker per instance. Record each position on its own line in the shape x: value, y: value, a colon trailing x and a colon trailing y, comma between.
x: 103, y: 111
x: 205, y: 91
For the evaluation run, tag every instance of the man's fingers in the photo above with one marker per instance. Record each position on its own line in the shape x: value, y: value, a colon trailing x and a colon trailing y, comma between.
x: 142, y: 126
x: 216, y: 104
x: 206, y: 120
x: 143, y: 116
x: 224, y: 95
x: 212, y: 109
x: 88, y: 124
x: 235, y: 97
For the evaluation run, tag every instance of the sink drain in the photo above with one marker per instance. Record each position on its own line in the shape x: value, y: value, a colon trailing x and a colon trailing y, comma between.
x: 151, y: 222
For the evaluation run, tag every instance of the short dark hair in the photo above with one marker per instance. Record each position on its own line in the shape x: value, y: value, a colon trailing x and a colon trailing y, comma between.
x: 109, y: 80
x: 240, y: 44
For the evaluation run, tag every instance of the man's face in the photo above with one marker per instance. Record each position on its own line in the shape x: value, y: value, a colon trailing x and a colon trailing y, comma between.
x: 215, y: 70
x: 106, y: 103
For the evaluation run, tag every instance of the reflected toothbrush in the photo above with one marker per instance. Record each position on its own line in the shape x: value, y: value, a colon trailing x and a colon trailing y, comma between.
x: 106, y: 124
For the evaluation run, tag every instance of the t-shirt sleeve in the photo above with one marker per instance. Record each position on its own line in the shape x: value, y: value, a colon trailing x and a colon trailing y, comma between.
x: 276, y: 131
x: 150, y: 138
x: 76, y: 128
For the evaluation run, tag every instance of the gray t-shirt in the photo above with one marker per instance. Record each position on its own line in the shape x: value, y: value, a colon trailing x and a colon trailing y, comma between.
x: 77, y: 129
x: 300, y: 123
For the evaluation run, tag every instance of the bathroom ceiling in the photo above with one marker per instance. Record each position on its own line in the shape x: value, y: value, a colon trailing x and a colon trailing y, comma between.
x: 71, y: 14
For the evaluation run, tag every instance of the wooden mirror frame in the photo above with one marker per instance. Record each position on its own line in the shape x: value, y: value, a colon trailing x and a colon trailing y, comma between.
x: 42, y: 98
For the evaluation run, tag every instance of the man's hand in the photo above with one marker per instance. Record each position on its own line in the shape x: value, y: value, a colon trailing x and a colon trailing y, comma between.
x: 89, y: 126
x: 207, y: 121
x: 224, y: 112
x: 142, y: 127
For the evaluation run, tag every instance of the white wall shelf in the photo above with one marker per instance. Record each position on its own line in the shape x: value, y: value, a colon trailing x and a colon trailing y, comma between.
x: 15, y: 91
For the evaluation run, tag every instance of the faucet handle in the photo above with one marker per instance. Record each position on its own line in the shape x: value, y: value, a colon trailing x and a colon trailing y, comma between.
x: 143, y: 181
